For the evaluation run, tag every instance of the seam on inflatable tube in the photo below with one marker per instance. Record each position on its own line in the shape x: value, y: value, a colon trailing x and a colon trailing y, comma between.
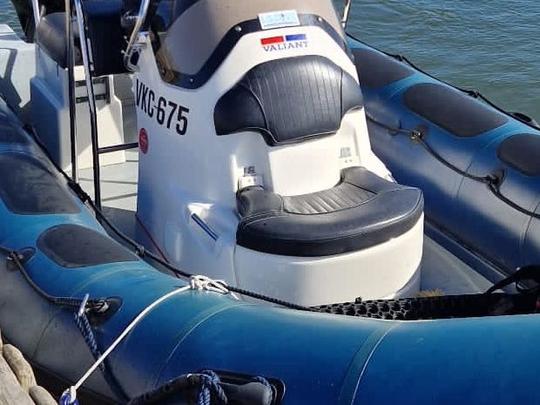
x: 360, y: 362
x: 192, y: 327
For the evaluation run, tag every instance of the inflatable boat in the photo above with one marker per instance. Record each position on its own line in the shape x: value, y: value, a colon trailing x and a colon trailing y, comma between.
x: 477, y: 165
x: 192, y: 212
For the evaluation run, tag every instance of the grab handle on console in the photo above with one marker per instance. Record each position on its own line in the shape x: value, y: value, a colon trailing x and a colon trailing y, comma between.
x: 346, y: 13
x: 135, y: 41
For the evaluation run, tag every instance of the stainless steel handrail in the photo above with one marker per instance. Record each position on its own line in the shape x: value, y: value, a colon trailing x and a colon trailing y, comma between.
x: 346, y: 13
x: 70, y: 45
x: 36, y: 11
x: 134, y: 38
x: 87, y: 63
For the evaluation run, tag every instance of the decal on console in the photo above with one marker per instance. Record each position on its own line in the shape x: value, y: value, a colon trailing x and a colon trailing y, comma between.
x: 284, y: 42
x: 143, y: 141
x: 279, y: 19
x: 167, y: 113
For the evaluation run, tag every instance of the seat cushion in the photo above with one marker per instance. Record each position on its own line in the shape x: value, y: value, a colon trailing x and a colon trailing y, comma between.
x: 362, y: 211
x: 51, y: 37
x: 104, y: 29
x: 289, y: 100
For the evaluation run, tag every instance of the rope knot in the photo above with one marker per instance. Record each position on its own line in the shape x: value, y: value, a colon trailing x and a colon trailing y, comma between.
x: 140, y: 251
x: 210, y: 384
x: 473, y: 93
x: 78, y: 190
x: 203, y: 283
x: 98, y: 306
x: 16, y: 258
x: 69, y: 397
x: 416, y: 135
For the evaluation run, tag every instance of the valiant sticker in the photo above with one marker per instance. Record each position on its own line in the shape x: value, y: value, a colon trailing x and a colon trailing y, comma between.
x: 279, y: 19
x: 284, y: 42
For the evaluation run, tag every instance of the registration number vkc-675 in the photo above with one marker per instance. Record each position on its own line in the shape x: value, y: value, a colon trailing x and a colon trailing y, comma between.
x: 167, y: 113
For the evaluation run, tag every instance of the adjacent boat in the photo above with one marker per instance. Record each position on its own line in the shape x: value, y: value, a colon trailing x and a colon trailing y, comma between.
x: 477, y: 165
x: 255, y: 166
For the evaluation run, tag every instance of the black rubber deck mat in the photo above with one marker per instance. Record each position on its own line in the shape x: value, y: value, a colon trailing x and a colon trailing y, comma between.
x: 378, y: 70
x: 452, y: 110
x: 27, y: 187
x: 74, y: 246
x: 443, y: 307
x: 522, y: 152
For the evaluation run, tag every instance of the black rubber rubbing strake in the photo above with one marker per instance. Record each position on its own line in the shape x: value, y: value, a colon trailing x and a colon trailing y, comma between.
x: 452, y: 110
x: 27, y: 187
x: 74, y: 246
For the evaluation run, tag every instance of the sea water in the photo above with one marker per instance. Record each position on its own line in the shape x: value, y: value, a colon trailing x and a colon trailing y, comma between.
x: 488, y: 45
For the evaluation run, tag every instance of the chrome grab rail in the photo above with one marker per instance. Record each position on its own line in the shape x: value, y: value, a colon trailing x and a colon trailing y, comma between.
x: 134, y: 41
x: 346, y: 13
x: 71, y: 92
x: 36, y: 11
x: 88, y: 63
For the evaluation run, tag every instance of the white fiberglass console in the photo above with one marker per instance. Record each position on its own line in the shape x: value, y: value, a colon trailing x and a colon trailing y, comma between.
x: 255, y: 163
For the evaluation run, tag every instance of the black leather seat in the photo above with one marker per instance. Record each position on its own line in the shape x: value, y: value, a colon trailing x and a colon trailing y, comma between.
x: 289, y: 100
x: 104, y: 30
x: 363, y: 210
x: 51, y: 37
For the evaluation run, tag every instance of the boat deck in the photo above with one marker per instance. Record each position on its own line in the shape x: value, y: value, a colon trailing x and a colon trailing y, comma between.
x: 441, y: 270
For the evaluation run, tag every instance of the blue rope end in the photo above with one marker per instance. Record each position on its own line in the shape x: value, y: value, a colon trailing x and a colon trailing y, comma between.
x: 66, y: 399
x: 210, y: 385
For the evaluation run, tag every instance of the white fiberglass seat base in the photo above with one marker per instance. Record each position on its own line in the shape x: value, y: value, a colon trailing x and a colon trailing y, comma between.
x: 373, y: 273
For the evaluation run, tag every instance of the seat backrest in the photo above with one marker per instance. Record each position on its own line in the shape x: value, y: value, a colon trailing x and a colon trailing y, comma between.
x: 51, y: 37
x: 105, y: 32
x: 103, y: 20
x: 289, y: 100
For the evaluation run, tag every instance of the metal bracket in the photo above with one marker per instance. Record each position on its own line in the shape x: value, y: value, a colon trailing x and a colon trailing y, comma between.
x: 137, y: 38
x: 36, y: 11
x: 346, y: 13
x: 100, y: 80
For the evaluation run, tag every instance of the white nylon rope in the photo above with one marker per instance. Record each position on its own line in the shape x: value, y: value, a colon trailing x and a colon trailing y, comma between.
x: 198, y: 283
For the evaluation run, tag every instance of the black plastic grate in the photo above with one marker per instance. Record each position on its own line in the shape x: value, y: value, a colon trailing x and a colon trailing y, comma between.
x: 444, y: 307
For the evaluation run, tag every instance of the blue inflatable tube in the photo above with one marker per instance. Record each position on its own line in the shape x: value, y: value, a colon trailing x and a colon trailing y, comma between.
x: 501, y: 227
x: 321, y: 359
